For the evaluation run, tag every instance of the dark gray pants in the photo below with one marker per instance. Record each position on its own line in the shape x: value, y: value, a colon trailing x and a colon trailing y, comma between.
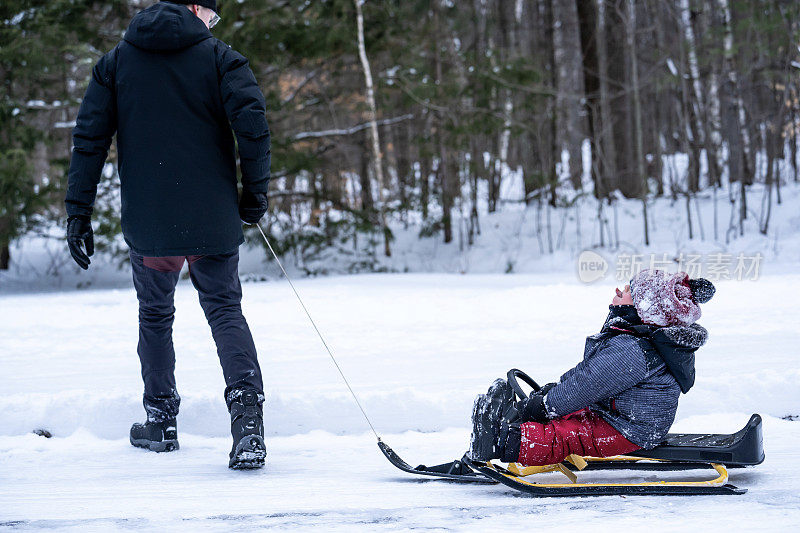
x: 216, y: 278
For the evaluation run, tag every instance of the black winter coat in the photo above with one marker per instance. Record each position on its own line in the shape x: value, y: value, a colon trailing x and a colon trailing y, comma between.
x: 172, y: 92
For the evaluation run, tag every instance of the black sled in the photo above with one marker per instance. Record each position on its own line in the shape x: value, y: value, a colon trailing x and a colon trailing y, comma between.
x: 679, y: 452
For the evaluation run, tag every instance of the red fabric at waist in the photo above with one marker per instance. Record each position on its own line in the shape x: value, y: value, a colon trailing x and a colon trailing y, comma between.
x: 583, y: 433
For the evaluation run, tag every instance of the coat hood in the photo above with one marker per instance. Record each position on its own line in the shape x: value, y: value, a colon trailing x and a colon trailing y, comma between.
x: 675, y: 344
x: 166, y: 27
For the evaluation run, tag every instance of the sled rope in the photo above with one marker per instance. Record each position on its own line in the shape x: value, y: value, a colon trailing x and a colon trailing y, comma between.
x: 336, y: 364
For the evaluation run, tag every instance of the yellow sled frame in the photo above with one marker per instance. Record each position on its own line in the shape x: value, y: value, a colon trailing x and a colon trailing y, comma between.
x: 516, y: 472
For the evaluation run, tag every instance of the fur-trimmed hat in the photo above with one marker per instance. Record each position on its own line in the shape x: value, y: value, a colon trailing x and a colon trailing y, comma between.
x: 665, y: 299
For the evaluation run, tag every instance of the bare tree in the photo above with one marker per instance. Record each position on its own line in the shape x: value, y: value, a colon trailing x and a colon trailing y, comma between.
x: 373, y: 122
x: 740, y: 163
x: 637, y: 114
x: 571, y: 129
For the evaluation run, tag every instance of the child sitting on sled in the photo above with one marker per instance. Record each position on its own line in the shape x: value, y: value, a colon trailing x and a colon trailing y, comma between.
x: 622, y: 397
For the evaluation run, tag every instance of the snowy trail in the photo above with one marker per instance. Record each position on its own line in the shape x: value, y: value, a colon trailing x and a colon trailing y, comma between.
x: 417, y: 349
x: 337, y: 483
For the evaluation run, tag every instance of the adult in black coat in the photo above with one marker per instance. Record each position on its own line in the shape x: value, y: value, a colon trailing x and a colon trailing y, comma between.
x: 171, y: 92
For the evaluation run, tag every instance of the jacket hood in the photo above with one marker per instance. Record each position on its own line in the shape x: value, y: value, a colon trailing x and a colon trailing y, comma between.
x: 675, y: 344
x: 166, y: 27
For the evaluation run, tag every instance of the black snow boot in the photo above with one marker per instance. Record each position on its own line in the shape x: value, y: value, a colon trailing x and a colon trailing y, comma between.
x: 247, y: 428
x: 156, y: 436
x: 487, y: 421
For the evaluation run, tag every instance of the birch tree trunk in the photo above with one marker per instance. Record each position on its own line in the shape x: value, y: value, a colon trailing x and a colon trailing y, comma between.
x: 373, y: 125
x: 699, y: 107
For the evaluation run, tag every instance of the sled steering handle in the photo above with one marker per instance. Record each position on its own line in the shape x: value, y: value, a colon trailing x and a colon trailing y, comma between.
x: 515, y: 373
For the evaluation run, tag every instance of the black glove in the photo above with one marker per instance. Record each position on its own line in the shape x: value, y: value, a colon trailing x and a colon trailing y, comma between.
x: 533, y: 409
x: 545, y: 389
x: 79, y: 231
x: 252, y: 206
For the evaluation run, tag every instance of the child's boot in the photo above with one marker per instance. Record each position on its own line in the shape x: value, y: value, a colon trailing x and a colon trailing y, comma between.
x: 487, y: 416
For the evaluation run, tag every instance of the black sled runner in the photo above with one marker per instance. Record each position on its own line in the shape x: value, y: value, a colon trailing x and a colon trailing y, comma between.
x: 678, y: 452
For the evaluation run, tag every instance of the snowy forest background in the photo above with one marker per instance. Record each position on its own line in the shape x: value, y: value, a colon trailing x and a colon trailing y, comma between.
x: 493, y: 118
x: 512, y: 136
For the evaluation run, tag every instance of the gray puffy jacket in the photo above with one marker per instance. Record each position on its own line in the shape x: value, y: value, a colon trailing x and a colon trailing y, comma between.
x: 632, y: 375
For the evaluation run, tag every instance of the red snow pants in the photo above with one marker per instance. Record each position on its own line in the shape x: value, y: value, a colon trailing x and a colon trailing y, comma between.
x: 583, y: 433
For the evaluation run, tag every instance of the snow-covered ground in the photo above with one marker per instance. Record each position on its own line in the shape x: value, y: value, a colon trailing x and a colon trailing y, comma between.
x: 417, y: 348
